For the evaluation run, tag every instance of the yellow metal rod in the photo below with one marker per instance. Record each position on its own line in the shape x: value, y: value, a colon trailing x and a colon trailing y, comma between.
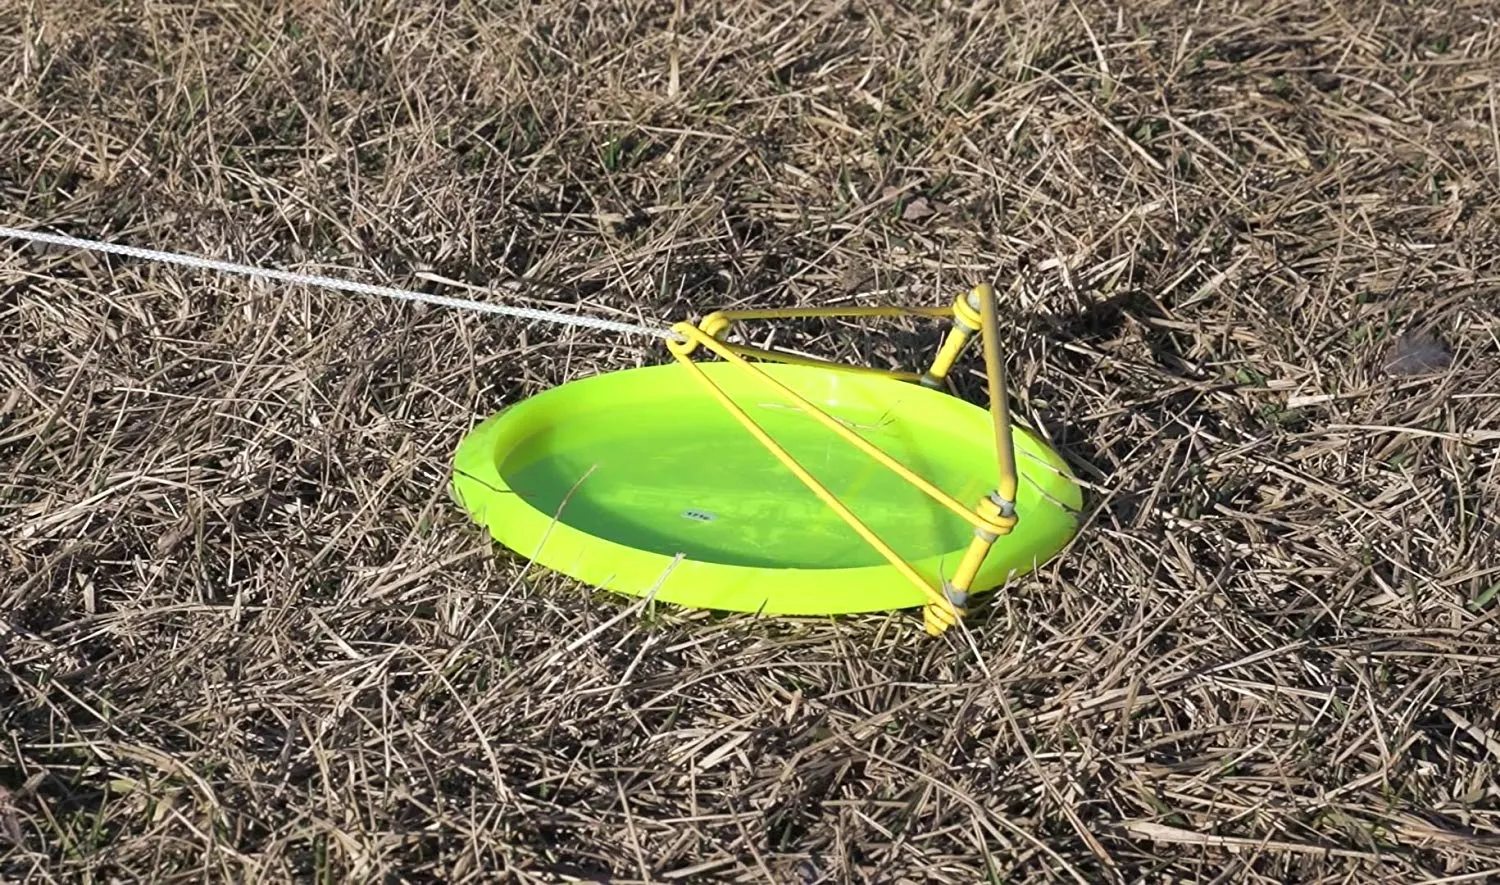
x: 797, y: 360
x: 891, y: 556
x: 965, y: 325
x: 994, y: 370
x: 968, y: 567
x: 979, y: 548
x: 937, y: 619
x: 854, y: 439
x: 953, y: 344
x: 786, y: 313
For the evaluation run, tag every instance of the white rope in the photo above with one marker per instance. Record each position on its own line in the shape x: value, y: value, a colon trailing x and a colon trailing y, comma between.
x: 525, y: 313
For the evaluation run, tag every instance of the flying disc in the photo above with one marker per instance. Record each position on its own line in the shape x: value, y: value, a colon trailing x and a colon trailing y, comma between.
x: 608, y: 478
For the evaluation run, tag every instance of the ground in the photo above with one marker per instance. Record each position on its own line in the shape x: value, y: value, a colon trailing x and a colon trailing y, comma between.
x: 1247, y: 257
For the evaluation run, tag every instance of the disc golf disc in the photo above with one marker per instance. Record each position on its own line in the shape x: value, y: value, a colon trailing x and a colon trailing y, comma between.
x: 607, y: 478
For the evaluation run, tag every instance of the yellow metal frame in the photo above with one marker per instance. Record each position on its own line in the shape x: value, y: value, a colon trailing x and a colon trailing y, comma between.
x: 972, y: 313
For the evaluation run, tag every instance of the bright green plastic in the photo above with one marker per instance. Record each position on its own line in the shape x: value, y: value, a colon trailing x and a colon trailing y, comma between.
x: 642, y: 464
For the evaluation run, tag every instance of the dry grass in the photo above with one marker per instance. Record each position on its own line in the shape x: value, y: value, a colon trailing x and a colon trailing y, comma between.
x: 245, y: 636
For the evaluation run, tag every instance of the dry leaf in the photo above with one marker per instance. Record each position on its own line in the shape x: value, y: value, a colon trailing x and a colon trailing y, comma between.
x: 918, y: 209
x: 1417, y: 354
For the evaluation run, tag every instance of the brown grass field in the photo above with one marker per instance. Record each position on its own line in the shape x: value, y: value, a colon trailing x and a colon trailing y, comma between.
x: 245, y: 636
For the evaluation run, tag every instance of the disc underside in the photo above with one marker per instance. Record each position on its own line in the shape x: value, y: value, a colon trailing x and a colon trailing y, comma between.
x: 607, y: 478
